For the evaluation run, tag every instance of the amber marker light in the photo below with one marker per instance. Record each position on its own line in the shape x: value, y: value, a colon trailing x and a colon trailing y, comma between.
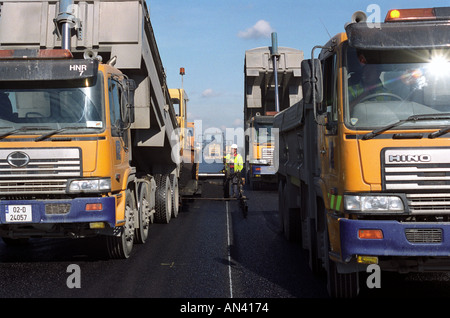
x: 94, y: 207
x: 370, y: 234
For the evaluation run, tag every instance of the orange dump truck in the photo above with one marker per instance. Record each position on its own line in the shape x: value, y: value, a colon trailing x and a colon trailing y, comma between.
x: 364, y: 161
x: 88, y: 133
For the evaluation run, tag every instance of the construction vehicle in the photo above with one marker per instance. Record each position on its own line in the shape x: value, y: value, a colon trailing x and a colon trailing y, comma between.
x: 188, y: 176
x: 213, y: 147
x: 363, y: 178
x: 261, y: 103
x: 88, y: 134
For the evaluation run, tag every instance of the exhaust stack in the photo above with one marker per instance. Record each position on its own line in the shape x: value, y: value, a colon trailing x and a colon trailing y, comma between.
x: 275, y: 56
x: 66, y: 21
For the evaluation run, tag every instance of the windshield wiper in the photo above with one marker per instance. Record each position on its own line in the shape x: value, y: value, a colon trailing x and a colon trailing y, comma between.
x: 57, y: 131
x: 439, y: 133
x: 378, y: 131
x: 23, y: 128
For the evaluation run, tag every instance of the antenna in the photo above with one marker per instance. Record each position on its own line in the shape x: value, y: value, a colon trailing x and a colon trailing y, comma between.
x: 323, y: 24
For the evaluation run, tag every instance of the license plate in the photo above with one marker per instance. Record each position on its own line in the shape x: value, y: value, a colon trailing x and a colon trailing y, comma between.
x: 18, y: 213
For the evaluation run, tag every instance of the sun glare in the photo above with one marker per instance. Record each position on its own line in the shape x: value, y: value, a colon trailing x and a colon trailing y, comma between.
x: 439, y: 66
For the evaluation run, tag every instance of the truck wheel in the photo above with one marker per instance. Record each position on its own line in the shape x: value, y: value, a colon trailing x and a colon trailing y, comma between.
x: 144, y: 210
x: 291, y: 213
x: 175, y: 194
x: 163, y: 199
x: 121, y: 246
x: 281, y: 201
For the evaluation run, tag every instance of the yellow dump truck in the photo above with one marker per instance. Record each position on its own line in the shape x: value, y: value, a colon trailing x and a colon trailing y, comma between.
x: 260, y: 105
x: 88, y: 133
x: 364, y: 160
x: 189, y: 153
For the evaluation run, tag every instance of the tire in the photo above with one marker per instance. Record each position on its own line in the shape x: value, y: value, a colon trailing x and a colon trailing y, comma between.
x: 163, y: 212
x: 281, y: 204
x: 144, y: 210
x: 120, y: 247
x: 291, y: 213
x: 175, y: 195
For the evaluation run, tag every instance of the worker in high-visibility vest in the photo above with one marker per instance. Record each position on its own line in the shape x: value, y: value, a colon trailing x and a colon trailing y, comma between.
x: 370, y: 84
x: 233, y: 167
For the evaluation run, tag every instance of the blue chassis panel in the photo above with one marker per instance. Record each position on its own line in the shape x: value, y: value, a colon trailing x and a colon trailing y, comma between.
x: 394, y: 242
x: 77, y: 213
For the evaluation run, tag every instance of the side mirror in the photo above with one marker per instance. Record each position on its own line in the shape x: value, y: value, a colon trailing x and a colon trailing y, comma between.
x: 129, y: 86
x: 312, y: 81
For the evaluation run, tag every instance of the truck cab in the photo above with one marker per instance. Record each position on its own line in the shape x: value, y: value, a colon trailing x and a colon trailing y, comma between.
x: 57, y: 129
x: 75, y: 159
x: 370, y: 148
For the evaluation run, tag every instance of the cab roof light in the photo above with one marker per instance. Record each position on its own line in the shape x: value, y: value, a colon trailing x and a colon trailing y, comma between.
x: 410, y: 15
x: 35, y: 54
x: 422, y: 14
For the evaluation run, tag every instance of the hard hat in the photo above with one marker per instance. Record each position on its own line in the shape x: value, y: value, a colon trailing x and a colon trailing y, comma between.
x: 233, y: 146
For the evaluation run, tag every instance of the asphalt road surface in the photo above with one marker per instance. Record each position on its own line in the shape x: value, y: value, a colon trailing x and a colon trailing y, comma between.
x: 211, y: 251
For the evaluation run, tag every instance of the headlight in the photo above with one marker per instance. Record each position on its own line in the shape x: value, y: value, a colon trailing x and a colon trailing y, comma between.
x: 258, y: 161
x: 90, y: 185
x: 373, y: 203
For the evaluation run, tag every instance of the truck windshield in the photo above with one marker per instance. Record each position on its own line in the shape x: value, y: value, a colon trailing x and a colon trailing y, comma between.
x: 50, y: 105
x: 384, y: 87
x: 263, y: 133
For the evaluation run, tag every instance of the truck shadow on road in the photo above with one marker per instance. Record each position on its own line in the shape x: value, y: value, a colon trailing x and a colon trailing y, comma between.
x: 54, y: 250
x: 265, y: 264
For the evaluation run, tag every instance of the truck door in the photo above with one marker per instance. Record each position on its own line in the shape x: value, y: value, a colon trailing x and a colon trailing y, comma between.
x: 328, y: 139
x: 118, y: 133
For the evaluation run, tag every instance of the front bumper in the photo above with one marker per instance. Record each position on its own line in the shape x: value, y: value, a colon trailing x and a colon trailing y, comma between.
x: 61, y: 212
x: 399, y: 239
x: 263, y: 170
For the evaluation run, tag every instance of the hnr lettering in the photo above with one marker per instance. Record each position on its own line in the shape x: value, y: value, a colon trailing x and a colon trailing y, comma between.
x: 409, y: 158
x: 78, y: 68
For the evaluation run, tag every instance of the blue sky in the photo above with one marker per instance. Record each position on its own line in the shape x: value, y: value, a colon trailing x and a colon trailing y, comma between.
x: 209, y: 39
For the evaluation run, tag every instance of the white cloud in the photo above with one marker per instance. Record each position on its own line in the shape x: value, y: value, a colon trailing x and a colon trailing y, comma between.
x: 261, y: 29
x: 238, y: 122
x: 209, y: 92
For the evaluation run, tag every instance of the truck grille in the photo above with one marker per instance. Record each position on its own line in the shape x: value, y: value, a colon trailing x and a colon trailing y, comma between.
x: 424, y: 235
x: 38, y: 170
x: 429, y: 203
x: 417, y: 169
x: 267, y: 153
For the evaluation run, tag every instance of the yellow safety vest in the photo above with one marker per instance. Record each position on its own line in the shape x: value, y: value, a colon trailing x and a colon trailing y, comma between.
x: 237, y: 162
x: 358, y: 89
